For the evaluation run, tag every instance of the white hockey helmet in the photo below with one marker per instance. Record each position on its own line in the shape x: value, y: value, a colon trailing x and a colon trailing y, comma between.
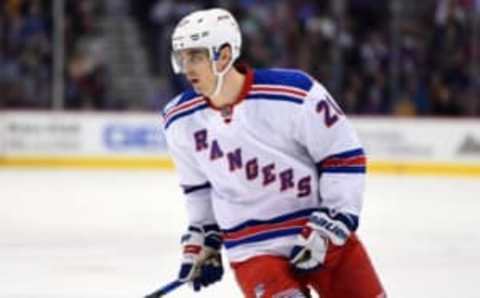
x: 210, y: 29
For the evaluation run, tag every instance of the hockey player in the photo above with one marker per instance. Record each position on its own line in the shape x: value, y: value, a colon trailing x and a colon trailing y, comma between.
x: 271, y: 170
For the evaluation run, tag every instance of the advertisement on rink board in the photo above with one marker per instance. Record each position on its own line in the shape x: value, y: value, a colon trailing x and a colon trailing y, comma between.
x: 83, y: 134
x: 121, y: 137
x: 430, y: 140
x: 136, y: 140
x: 470, y: 145
x: 38, y: 133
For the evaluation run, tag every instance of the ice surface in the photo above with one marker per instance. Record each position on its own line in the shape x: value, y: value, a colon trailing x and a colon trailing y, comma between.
x: 99, y: 234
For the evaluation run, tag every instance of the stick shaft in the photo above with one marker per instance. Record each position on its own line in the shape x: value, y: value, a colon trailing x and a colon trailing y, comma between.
x: 165, y: 289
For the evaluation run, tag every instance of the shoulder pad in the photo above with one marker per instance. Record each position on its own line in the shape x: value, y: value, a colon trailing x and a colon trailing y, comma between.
x: 283, y: 77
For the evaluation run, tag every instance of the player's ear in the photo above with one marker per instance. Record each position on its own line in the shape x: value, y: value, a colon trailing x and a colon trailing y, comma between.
x: 225, y: 56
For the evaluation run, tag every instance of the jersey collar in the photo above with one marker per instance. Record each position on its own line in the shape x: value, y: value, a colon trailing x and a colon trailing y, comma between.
x: 247, y: 85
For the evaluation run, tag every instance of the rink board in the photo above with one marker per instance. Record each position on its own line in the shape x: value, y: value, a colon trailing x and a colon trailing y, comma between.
x: 136, y: 141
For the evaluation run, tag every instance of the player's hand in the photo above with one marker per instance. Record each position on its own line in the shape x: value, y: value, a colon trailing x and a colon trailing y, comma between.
x: 321, y: 230
x: 201, y: 261
x: 309, y: 254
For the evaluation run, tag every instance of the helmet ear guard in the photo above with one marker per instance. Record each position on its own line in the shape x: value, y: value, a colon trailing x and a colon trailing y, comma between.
x: 177, y: 67
x: 217, y: 54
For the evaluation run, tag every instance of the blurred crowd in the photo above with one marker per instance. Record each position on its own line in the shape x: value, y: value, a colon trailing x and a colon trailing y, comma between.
x: 426, y: 63
x: 86, y: 70
x: 27, y: 49
x: 395, y: 57
x: 25, y: 54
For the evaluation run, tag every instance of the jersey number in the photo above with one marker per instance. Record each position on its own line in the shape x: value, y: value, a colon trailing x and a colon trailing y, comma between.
x: 330, y: 110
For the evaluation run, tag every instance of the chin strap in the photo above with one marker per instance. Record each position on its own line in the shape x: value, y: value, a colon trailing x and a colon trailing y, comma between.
x: 219, y: 76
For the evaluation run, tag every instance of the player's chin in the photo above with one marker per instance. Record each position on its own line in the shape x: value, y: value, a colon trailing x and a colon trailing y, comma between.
x: 197, y: 88
x: 200, y: 89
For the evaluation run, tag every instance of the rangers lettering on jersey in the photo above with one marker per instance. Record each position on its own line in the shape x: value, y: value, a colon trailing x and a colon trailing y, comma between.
x: 267, y: 173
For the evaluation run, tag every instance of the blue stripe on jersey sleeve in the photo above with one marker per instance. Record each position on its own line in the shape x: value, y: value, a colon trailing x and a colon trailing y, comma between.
x: 184, y: 114
x: 348, y: 154
x: 179, y: 99
x: 274, y: 97
x: 283, y: 77
x: 343, y: 163
x: 346, y: 170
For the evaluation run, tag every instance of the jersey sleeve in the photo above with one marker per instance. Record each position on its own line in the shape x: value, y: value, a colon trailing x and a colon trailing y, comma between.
x: 195, y: 185
x: 330, y: 140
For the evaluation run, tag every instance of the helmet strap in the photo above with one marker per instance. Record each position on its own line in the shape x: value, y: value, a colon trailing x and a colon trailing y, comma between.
x: 219, y: 75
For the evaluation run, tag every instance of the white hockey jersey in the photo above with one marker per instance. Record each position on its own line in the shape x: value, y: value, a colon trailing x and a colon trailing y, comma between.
x: 260, y: 169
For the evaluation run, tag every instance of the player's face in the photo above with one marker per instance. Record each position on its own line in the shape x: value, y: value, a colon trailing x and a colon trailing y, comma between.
x: 197, y: 67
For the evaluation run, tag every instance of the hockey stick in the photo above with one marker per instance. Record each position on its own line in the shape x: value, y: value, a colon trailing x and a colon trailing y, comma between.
x: 166, y: 289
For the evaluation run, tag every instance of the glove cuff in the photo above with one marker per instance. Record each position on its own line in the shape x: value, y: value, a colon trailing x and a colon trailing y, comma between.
x: 199, y: 237
x: 213, y: 237
x: 334, y: 229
